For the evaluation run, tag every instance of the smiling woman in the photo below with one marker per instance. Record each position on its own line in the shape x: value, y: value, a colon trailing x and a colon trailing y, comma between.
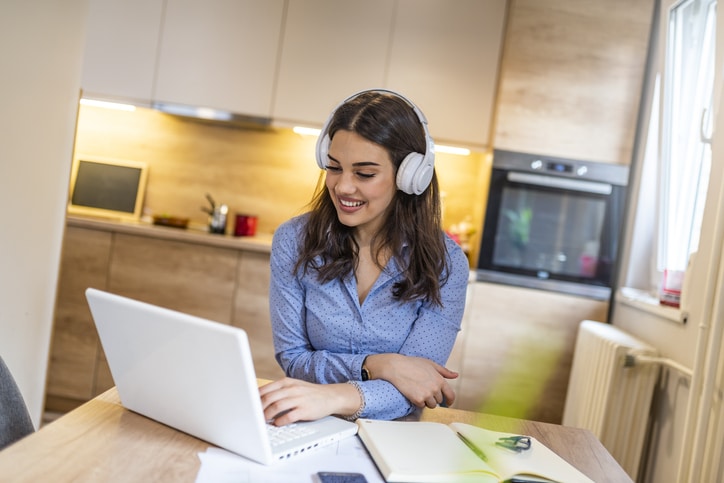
x: 367, y: 292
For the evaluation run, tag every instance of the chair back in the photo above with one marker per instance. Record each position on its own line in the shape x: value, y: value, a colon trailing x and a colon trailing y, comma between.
x: 15, y: 422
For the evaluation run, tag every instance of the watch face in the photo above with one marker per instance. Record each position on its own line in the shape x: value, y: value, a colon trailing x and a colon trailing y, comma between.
x: 365, y: 374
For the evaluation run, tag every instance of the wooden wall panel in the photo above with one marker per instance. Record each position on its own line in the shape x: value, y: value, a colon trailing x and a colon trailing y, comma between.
x: 269, y: 173
x: 571, y: 78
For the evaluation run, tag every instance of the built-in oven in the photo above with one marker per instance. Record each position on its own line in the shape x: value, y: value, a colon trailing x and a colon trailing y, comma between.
x: 553, y: 223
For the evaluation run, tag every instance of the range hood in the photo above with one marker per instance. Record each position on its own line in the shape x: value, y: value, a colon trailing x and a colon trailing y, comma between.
x: 210, y: 115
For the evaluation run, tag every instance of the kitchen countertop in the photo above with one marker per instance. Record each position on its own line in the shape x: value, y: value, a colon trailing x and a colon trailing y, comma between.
x: 192, y: 234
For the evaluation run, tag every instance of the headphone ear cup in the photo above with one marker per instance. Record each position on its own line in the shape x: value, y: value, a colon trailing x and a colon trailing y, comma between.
x: 322, y: 150
x: 414, y: 174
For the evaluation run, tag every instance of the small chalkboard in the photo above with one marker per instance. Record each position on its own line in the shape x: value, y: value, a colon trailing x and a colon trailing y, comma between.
x: 108, y: 187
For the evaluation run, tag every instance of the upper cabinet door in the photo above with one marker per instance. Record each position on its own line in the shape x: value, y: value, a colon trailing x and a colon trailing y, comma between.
x: 445, y: 57
x: 121, y: 47
x: 220, y: 54
x: 571, y: 78
x: 331, y: 49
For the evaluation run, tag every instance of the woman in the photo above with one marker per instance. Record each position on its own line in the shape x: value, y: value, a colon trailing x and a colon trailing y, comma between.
x: 367, y: 292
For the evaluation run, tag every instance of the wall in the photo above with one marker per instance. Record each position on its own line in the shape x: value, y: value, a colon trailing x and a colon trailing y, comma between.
x: 41, y: 44
x: 270, y: 173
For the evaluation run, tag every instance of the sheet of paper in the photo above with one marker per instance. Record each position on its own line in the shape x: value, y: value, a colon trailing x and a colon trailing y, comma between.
x: 347, y: 455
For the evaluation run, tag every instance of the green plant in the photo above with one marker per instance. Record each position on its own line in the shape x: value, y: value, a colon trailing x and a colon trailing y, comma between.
x: 519, y: 226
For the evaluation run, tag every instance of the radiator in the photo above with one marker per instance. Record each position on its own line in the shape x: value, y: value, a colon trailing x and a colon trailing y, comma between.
x: 606, y: 397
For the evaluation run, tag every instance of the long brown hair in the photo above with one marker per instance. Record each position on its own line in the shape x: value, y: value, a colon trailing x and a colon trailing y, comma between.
x: 412, y: 221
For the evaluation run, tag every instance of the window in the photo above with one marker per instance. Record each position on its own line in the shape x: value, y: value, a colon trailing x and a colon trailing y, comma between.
x: 674, y: 162
x: 685, y: 151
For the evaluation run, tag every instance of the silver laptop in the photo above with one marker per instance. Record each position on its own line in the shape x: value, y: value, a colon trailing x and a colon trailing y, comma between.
x: 197, y: 376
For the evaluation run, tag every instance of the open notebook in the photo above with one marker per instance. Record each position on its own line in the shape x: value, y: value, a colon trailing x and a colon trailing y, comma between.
x: 432, y: 452
x: 197, y: 376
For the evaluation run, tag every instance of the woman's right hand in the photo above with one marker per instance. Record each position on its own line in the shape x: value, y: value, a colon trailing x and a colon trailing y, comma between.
x: 422, y: 381
x: 289, y: 400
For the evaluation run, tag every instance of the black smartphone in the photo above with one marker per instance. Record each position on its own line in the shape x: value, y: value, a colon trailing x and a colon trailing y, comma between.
x: 340, y: 477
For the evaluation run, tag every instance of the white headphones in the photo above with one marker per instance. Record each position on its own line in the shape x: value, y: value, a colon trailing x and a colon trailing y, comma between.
x: 415, y: 172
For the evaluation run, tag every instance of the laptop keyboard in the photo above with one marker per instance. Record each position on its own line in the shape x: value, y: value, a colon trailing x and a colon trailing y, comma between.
x: 284, y: 434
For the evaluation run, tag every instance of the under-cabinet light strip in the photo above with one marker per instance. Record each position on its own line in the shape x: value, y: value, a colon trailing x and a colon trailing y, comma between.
x: 439, y: 148
x: 108, y: 105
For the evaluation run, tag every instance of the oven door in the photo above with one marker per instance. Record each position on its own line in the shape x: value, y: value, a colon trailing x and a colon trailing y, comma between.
x: 552, y: 232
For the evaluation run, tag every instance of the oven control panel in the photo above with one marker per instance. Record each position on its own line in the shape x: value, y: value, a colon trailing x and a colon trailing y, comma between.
x: 558, y: 167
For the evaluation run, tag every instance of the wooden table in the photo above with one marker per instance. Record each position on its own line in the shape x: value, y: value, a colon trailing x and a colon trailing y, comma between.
x: 103, y: 441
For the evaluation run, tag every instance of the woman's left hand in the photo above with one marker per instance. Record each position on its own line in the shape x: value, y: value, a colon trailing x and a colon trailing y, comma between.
x: 289, y: 400
x: 422, y: 381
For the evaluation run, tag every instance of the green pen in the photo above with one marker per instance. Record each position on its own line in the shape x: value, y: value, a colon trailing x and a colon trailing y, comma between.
x: 478, y: 452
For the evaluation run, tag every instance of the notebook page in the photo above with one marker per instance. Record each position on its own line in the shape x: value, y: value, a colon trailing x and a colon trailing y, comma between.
x: 539, y: 460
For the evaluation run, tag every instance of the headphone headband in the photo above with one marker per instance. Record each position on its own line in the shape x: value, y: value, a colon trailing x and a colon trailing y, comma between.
x: 416, y: 170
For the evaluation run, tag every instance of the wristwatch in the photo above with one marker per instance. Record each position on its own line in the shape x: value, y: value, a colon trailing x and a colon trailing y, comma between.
x: 365, y: 373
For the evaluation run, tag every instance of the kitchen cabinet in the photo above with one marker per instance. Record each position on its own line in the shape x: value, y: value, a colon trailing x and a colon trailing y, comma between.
x: 215, y: 277
x: 568, y: 84
x: 251, y: 311
x: 121, y: 48
x: 330, y: 50
x: 220, y: 54
x: 75, y: 346
x: 571, y: 78
x: 295, y: 60
x: 191, y: 278
x: 514, y: 351
x: 517, y: 349
x: 445, y: 56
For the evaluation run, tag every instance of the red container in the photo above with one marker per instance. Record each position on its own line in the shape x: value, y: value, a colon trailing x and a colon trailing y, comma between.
x: 245, y: 225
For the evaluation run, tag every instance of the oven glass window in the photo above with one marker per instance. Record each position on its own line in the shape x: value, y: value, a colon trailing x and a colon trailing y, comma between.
x: 551, y: 233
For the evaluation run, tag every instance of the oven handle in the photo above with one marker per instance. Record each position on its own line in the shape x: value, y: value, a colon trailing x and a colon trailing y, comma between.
x: 564, y: 183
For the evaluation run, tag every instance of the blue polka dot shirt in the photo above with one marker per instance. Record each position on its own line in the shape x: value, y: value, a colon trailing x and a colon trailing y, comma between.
x: 322, y: 334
